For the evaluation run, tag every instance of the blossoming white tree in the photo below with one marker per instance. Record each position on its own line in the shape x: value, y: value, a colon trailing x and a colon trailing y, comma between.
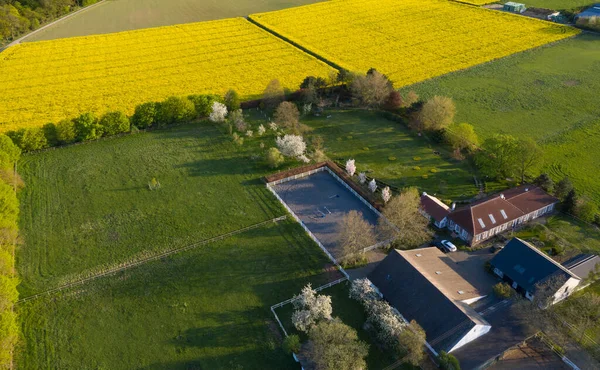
x: 303, y: 158
x: 218, y: 113
x: 350, y: 167
x: 362, y: 177
x: 386, y: 194
x: 273, y: 126
x: 362, y: 291
x: 310, y: 308
x: 372, y: 186
x: 291, y: 145
x: 387, y: 323
x: 249, y: 133
x: 261, y: 130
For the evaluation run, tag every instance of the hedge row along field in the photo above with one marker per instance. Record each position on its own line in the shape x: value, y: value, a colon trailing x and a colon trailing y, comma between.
x: 53, y: 80
x: 411, y: 40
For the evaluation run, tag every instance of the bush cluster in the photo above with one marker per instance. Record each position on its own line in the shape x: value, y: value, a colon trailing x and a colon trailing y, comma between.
x: 9, y: 214
x: 88, y: 127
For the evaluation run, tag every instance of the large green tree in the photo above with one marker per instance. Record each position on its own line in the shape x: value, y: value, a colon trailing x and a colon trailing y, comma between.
x: 334, y: 345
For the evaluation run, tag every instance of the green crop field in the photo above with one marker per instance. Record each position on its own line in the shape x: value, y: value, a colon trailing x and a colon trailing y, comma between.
x: 389, y: 152
x: 207, y: 308
x: 559, y: 4
x: 549, y: 94
x: 89, y: 205
x: 124, y: 15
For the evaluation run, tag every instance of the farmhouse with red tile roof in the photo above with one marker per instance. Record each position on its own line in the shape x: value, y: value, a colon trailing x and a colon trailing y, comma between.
x: 481, y: 220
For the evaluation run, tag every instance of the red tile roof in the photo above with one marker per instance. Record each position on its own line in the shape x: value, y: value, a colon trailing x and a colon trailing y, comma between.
x: 434, y: 207
x: 499, y: 209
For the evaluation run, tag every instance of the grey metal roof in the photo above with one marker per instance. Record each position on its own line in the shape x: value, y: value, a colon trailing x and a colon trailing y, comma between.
x: 582, y: 264
x: 526, y: 265
x: 416, y: 298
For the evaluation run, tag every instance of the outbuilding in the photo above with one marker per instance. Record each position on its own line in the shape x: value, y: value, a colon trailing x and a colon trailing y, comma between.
x: 514, y: 7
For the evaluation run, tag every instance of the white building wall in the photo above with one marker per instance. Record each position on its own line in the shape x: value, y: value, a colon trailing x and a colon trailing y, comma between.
x: 476, y: 332
x: 566, y: 290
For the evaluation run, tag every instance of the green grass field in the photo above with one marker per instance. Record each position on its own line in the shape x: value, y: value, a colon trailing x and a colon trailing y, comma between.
x: 387, y: 151
x: 123, y: 15
x: 548, y: 94
x: 89, y: 205
x: 559, y: 4
x: 203, y: 309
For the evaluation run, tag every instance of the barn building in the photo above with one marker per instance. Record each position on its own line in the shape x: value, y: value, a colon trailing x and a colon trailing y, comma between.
x: 423, y: 287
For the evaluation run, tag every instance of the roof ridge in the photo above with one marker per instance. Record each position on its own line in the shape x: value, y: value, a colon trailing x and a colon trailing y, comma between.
x: 532, y: 247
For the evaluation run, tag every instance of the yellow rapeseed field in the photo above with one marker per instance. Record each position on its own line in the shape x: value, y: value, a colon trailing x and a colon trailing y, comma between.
x: 409, y: 40
x: 51, y: 80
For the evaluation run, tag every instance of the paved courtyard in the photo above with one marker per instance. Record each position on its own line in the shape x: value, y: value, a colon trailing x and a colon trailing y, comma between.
x: 320, y: 201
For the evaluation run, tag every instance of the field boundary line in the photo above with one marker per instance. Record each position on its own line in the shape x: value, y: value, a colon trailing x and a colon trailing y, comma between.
x: 155, y: 257
x: 67, y: 16
x: 294, y: 44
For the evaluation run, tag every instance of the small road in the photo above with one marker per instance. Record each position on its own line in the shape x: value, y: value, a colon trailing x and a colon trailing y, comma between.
x: 20, y: 39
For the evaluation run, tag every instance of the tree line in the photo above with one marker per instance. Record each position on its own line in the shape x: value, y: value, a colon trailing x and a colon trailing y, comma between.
x: 89, y: 127
x: 9, y: 214
x: 20, y: 17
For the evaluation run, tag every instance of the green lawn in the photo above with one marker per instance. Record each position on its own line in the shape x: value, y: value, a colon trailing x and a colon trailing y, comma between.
x: 89, y: 205
x: 124, y: 15
x: 549, y: 94
x: 352, y: 314
x: 387, y: 151
x: 207, y: 308
x: 559, y: 4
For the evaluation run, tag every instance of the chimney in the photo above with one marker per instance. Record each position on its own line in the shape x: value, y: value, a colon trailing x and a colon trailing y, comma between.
x: 453, y: 206
x: 502, y: 196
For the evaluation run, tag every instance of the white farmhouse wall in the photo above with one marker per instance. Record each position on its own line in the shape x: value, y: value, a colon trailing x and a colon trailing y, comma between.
x: 476, y: 332
x: 566, y: 290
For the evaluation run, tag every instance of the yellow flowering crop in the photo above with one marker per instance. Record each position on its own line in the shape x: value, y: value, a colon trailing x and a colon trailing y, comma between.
x: 48, y: 81
x: 409, y: 40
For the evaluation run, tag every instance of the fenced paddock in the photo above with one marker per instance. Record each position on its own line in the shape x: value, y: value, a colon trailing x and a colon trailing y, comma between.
x: 319, y: 199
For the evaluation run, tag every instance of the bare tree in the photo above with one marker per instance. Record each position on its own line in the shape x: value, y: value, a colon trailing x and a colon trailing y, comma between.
x: 355, y: 234
x: 437, y: 113
x: 371, y: 90
x: 409, y: 227
x: 287, y: 115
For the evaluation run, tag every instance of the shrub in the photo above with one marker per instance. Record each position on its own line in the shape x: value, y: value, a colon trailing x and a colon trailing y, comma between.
x: 65, y: 131
x: 218, y: 113
x: 114, y: 123
x: 86, y: 127
x: 29, y: 139
x: 274, y: 158
x: 448, y: 361
x: 291, y: 344
x: 232, y: 100
x: 10, y: 152
x: 50, y: 134
x: 433, y: 170
x: 203, y: 104
x: 144, y: 115
x: 391, y: 158
x: 425, y: 177
x: 366, y: 148
x: 416, y: 168
x: 503, y: 290
x: 174, y: 110
x: 416, y: 159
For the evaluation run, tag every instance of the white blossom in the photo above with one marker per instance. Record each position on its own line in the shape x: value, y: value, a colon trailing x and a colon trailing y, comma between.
x: 291, y: 145
x: 351, y: 167
x: 273, y: 126
x: 307, y: 108
x: 362, y: 177
x: 249, y: 133
x: 303, y: 158
x: 387, y: 322
x: 310, y: 308
x: 362, y: 291
x: 261, y: 130
x: 386, y: 194
x: 219, y: 112
x: 372, y: 186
